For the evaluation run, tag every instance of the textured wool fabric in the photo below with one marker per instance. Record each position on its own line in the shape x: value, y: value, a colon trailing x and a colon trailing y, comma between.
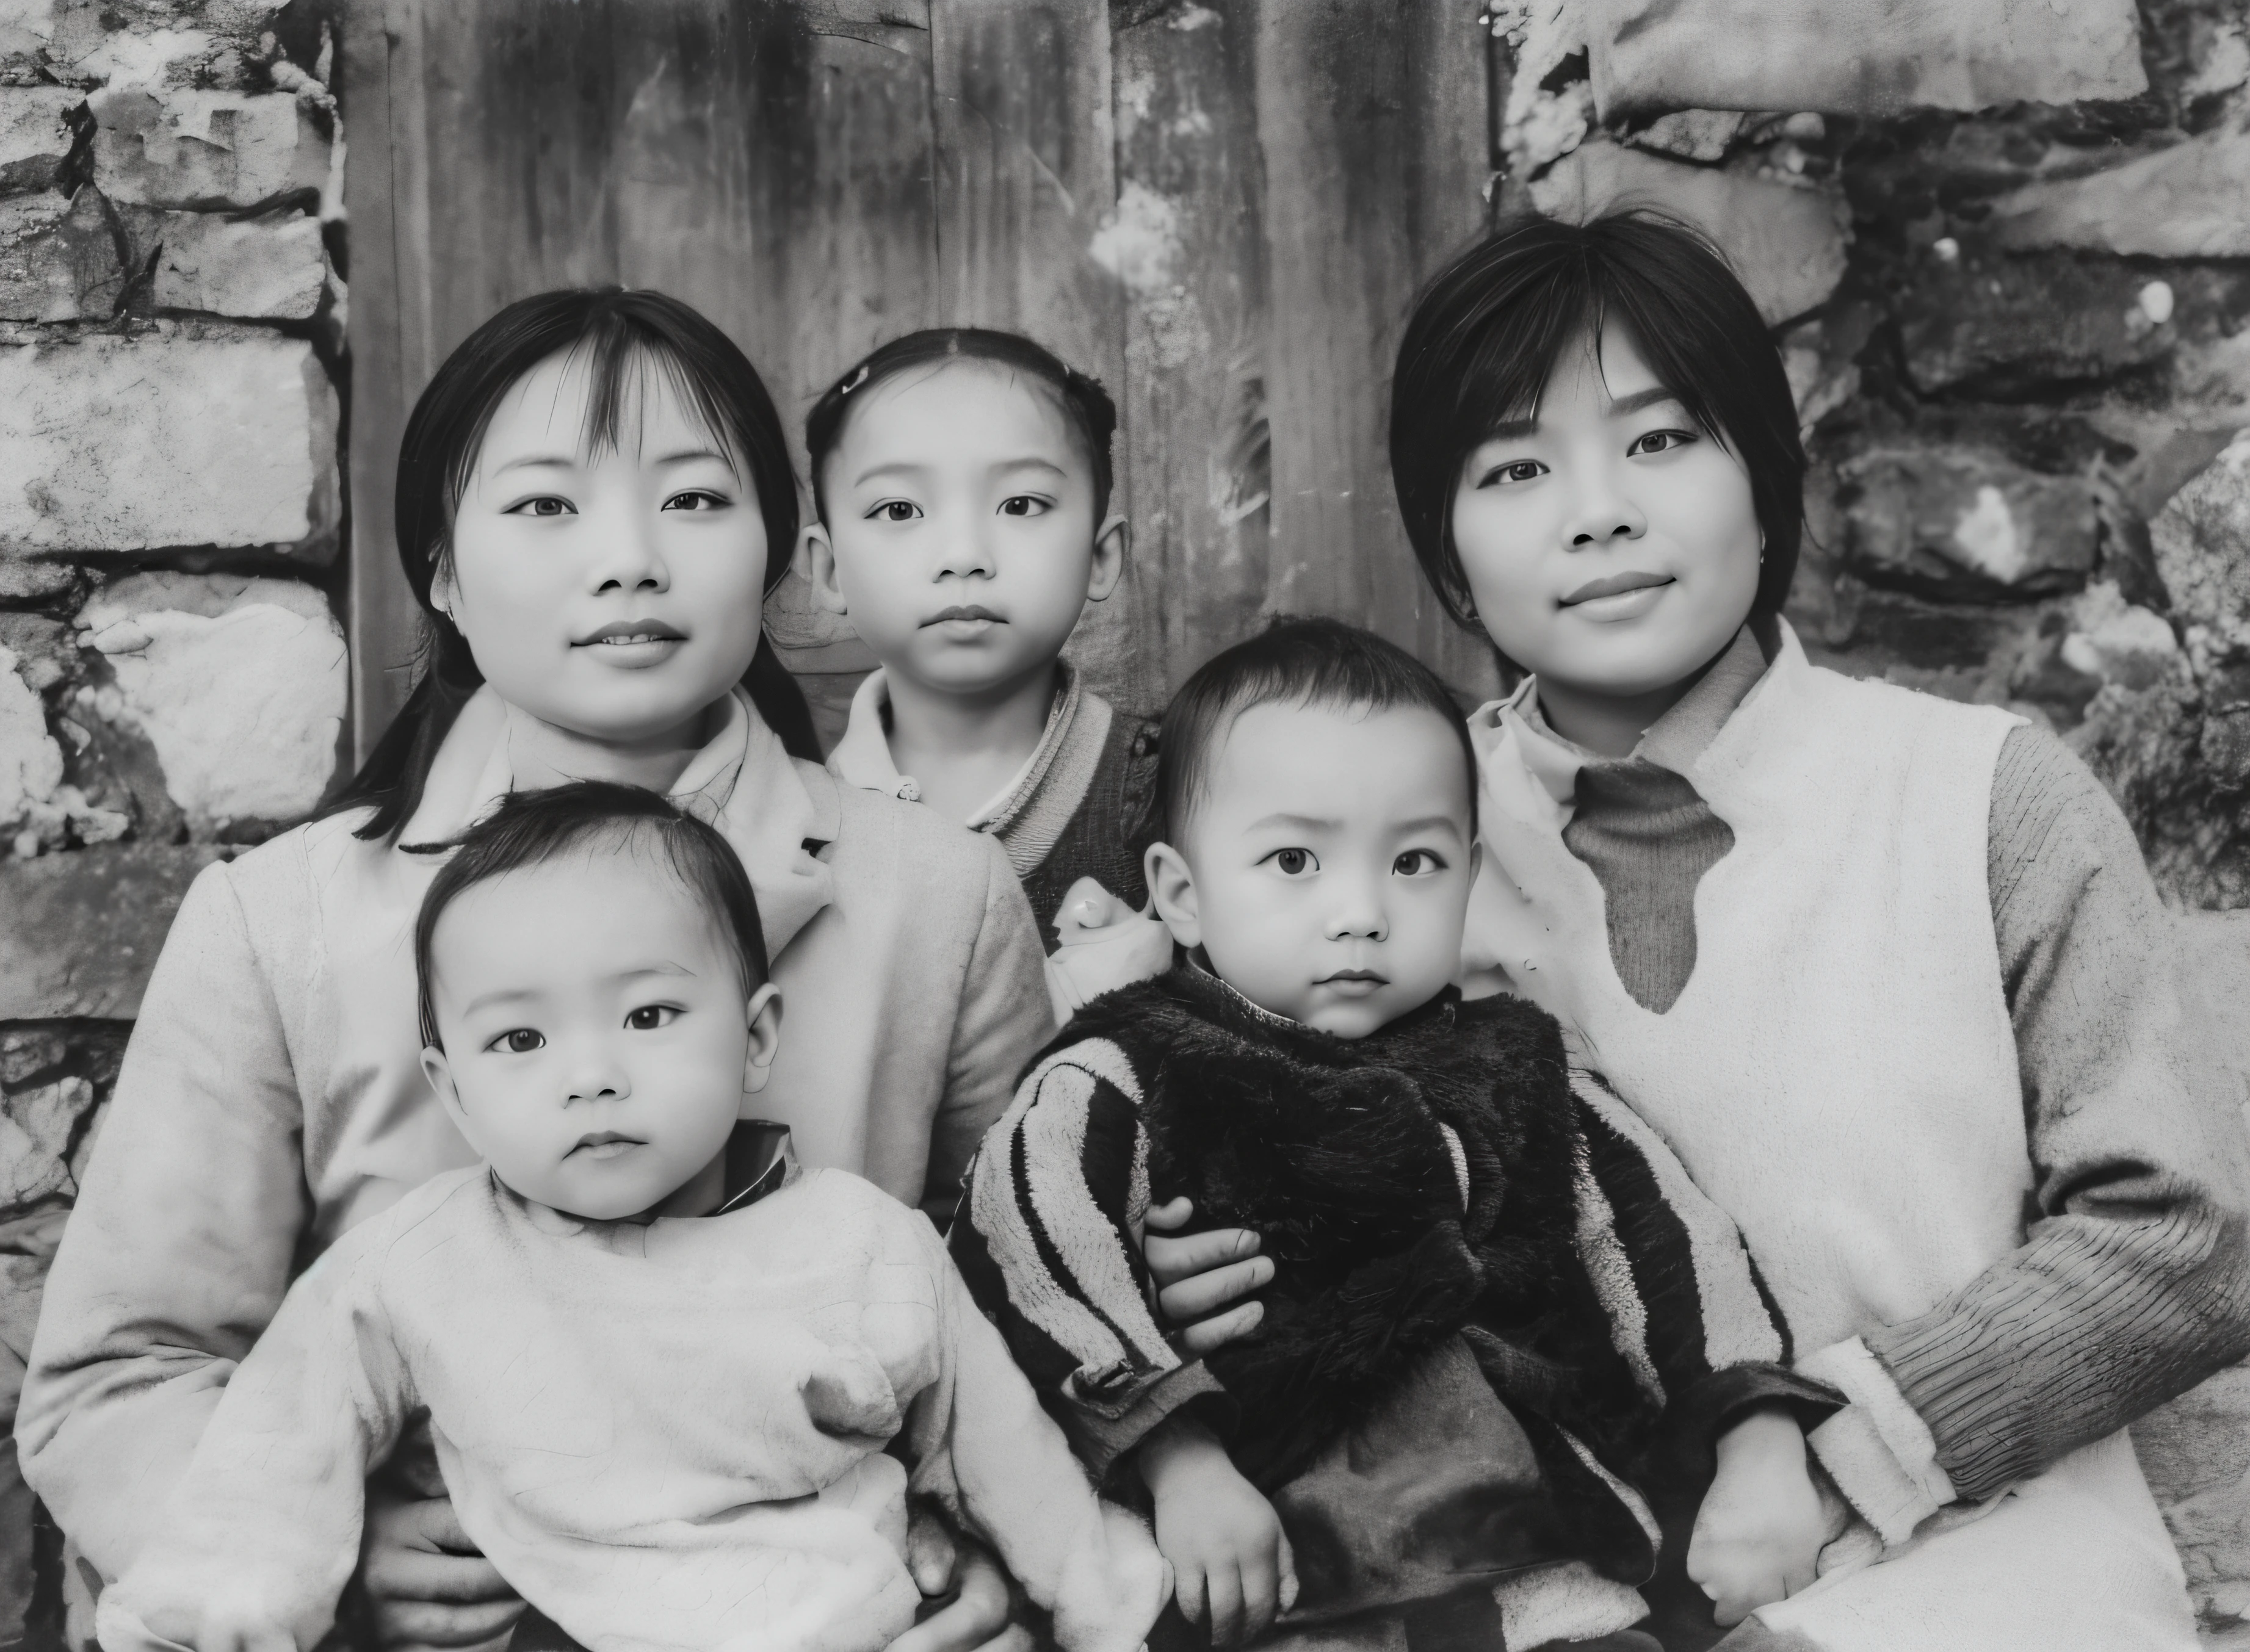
x: 1848, y: 1083
x: 2093, y: 1327
x: 667, y: 1437
x: 271, y: 1095
x: 1077, y: 809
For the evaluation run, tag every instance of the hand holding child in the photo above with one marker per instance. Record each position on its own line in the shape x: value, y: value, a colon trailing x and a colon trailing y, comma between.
x: 1231, y: 1561
x: 1762, y: 1524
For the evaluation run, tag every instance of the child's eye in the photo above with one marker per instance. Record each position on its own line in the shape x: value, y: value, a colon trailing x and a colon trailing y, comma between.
x: 1418, y: 862
x: 695, y: 498
x: 543, y: 505
x: 1293, y: 863
x: 1514, y: 470
x: 649, y: 1017
x: 519, y: 1041
x: 1660, y: 441
x: 895, y: 511
x: 1025, y: 505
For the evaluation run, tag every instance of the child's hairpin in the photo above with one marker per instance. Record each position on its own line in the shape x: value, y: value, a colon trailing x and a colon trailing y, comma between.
x: 854, y: 381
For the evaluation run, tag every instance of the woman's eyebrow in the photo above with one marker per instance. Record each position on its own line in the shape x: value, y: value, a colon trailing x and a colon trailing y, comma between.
x: 1639, y: 399
x: 549, y: 460
x: 688, y: 455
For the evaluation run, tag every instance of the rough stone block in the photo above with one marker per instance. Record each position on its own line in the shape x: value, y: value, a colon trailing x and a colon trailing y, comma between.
x: 2011, y: 326
x: 262, y: 271
x: 30, y: 762
x: 2202, y: 543
x: 83, y: 929
x: 1957, y: 524
x: 239, y: 683
x: 183, y: 148
x: 1785, y: 242
x: 35, y: 134
x: 57, y: 259
x: 45, y: 651
x: 1842, y: 57
x: 2189, y: 201
x: 114, y: 444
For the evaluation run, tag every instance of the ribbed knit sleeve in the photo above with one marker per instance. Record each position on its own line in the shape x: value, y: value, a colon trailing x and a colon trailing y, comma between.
x: 2134, y: 1281
x: 1047, y: 1242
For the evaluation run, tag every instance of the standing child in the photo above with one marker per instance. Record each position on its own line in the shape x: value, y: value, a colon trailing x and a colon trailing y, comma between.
x: 961, y: 483
x: 1497, y: 1301
x: 1886, y: 970
x: 661, y: 1386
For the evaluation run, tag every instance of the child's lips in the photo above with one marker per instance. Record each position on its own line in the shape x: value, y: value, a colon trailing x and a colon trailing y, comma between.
x: 1354, y: 983
x: 971, y: 616
x: 604, y: 1144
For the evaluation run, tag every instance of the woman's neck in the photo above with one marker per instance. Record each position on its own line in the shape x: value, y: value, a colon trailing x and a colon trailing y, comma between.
x: 962, y: 749
x: 540, y: 754
x: 1610, y: 724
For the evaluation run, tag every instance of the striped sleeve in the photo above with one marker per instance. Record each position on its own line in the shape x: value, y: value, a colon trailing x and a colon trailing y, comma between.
x: 1049, y: 1241
x: 1687, y: 1309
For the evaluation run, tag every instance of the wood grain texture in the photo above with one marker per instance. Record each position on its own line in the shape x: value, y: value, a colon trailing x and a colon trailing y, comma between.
x: 1026, y: 178
x: 1373, y: 122
x: 1189, y: 249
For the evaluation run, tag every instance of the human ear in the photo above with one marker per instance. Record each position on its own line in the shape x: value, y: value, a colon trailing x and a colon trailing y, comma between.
x: 764, y: 1012
x: 1111, y: 544
x: 446, y: 593
x: 439, y: 1072
x: 1172, y: 891
x: 816, y: 559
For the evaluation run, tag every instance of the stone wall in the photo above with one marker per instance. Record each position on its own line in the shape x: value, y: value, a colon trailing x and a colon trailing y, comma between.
x: 172, y: 675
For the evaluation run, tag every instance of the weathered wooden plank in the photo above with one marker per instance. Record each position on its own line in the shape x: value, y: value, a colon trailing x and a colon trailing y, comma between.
x: 1189, y: 249
x: 1026, y: 178
x: 385, y: 183
x: 1356, y: 99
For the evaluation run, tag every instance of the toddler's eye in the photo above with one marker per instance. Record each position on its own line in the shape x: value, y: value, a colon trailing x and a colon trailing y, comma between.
x: 896, y: 511
x: 1024, y: 505
x: 1417, y: 862
x: 1660, y: 441
x: 1516, y: 470
x: 649, y: 1017
x: 695, y: 498
x: 545, y: 504
x: 1294, y: 862
x: 519, y: 1041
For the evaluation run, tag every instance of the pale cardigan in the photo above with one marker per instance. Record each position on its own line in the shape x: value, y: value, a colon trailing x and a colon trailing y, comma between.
x: 693, y: 1435
x: 271, y: 1095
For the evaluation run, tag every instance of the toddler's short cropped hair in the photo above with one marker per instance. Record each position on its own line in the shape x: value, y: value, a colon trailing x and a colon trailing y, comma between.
x: 1294, y: 662
x: 531, y: 828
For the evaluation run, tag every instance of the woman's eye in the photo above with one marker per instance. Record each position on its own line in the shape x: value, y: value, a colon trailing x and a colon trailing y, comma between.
x: 1514, y: 470
x: 519, y: 1040
x: 1024, y: 505
x: 1294, y: 862
x: 545, y: 504
x: 695, y: 498
x: 1418, y: 862
x: 649, y: 1017
x: 896, y: 511
x: 1660, y: 441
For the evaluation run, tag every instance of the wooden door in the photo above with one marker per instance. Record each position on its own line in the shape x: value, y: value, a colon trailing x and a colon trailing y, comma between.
x: 1220, y: 211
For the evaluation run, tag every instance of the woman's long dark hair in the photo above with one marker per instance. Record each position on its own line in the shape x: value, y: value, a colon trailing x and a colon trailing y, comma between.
x: 617, y: 331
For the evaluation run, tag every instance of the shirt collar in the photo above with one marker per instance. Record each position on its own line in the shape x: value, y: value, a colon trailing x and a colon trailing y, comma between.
x: 862, y: 759
x: 740, y: 781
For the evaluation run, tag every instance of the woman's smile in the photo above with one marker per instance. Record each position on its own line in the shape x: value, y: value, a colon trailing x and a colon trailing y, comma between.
x: 1621, y: 596
x: 634, y: 644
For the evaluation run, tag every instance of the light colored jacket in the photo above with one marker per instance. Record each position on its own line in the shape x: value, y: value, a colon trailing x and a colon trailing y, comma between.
x: 271, y: 1097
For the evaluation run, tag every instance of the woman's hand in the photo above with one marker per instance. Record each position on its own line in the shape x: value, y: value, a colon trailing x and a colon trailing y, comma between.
x: 975, y: 1620
x: 1199, y: 1276
x: 428, y: 1588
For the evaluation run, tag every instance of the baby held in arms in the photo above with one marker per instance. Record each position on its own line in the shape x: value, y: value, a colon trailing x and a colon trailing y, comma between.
x: 681, y: 1393
x: 1502, y: 1321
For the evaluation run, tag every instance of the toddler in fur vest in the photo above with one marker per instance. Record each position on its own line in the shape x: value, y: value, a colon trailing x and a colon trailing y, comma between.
x: 1501, y: 1321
